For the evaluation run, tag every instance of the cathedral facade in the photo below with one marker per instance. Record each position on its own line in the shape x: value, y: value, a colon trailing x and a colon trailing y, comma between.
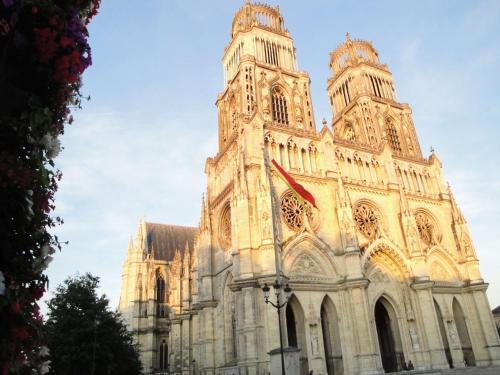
x: 383, y: 272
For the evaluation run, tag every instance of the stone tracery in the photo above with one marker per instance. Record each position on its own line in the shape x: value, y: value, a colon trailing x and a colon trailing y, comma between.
x: 367, y: 220
x: 225, y: 227
x: 292, y: 211
x: 425, y: 228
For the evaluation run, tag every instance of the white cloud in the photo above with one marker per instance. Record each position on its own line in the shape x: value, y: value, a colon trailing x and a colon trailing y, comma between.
x: 118, y: 167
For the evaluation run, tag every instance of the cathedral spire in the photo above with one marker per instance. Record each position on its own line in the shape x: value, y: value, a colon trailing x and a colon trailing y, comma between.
x: 130, y: 246
x: 203, y: 215
x: 176, y: 263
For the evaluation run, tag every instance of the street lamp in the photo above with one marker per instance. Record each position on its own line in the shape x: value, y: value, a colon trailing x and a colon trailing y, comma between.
x: 278, y: 306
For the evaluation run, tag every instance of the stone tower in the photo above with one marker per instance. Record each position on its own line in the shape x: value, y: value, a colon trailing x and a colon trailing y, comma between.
x: 384, y: 272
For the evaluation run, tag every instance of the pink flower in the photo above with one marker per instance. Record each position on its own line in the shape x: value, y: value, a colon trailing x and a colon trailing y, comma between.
x: 20, y: 333
x: 15, y: 307
x: 66, y: 42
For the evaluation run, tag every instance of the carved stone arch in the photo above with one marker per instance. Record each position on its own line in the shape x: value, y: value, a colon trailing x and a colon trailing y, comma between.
x: 307, y: 257
x: 356, y: 156
x: 277, y: 84
x: 389, y: 297
x: 312, y: 146
x: 332, y: 343
x: 225, y: 227
x: 389, y: 255
x: 387, y: 316
x: 442, y: 266
x: 339, y: 154
x: 283, y: 85
x: 268, y: 137
x: 160, y: 270
x: 295, y: 329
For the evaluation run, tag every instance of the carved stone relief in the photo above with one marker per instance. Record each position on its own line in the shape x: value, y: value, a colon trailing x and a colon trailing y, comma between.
x: 305, y: 265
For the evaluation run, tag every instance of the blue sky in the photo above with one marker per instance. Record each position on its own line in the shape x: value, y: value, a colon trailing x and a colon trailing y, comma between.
x: 138, y: 148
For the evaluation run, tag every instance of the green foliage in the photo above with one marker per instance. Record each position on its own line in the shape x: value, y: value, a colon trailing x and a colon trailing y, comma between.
x: 82, y: 332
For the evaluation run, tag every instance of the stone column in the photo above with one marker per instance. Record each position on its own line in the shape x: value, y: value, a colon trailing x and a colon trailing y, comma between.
x: 455, y: 347
x: 432, y: 344
x: 176, y: 347
x: 246, y: 330
x: 366, y: 358
x: 186, y: 345
x: 207, y: 359
x: 487, y: 324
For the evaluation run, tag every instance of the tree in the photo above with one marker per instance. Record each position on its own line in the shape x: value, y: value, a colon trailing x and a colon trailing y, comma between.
x: 84, y: 336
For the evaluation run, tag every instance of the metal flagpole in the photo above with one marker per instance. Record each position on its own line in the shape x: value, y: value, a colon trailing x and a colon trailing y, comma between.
x: 277, y: 253
x: 276, y: 233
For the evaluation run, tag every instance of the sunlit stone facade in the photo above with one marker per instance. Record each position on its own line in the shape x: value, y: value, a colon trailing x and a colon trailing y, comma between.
x: 385, y: 270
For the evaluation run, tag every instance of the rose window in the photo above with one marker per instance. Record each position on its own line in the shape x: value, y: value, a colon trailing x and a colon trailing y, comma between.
x: 425, y: 227
x: 292, y: 211
x: 366, y: 219
x: 225, y: 227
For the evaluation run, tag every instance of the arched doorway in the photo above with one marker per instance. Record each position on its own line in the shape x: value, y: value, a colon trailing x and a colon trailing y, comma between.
x: 296, y: 331
x: 389, y: 338
x: 442, y: 330
x: 463, y: 334
x: 331, y: 338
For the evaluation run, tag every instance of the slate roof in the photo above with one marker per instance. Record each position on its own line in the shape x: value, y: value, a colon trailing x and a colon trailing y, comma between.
x: 496, y: 310
x: 165, y: 239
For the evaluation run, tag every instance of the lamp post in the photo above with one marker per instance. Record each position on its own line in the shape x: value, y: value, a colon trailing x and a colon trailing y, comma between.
x: 278, y: 306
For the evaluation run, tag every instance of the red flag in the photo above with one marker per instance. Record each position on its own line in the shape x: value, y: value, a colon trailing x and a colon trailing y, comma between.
x: 294, y: 185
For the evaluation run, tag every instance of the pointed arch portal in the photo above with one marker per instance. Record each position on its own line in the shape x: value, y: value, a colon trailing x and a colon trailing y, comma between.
x: 389, y: 338
x: 295, y: 327
x: 442, y: 330
x: 331, y: 338
x: 463, y: 334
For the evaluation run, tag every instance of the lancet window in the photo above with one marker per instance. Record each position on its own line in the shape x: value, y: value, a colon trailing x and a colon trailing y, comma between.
x: 160, y: 287
x: 392, y: 136
x: 163, y: 363
x: 225, y: 227
x: 279, y: 106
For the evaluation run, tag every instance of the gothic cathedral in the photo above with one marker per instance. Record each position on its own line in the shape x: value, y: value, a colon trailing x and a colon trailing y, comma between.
x: 384, y: 271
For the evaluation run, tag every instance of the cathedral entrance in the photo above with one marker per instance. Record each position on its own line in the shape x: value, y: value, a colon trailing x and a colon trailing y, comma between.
x: 331, y: 338
x: 442, y: 330
x: 389, y: 339
x: 295, y: 331
x: 463, y: 334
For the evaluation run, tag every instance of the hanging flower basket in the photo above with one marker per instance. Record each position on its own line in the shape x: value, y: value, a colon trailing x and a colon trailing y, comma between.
x: 43, y: 53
